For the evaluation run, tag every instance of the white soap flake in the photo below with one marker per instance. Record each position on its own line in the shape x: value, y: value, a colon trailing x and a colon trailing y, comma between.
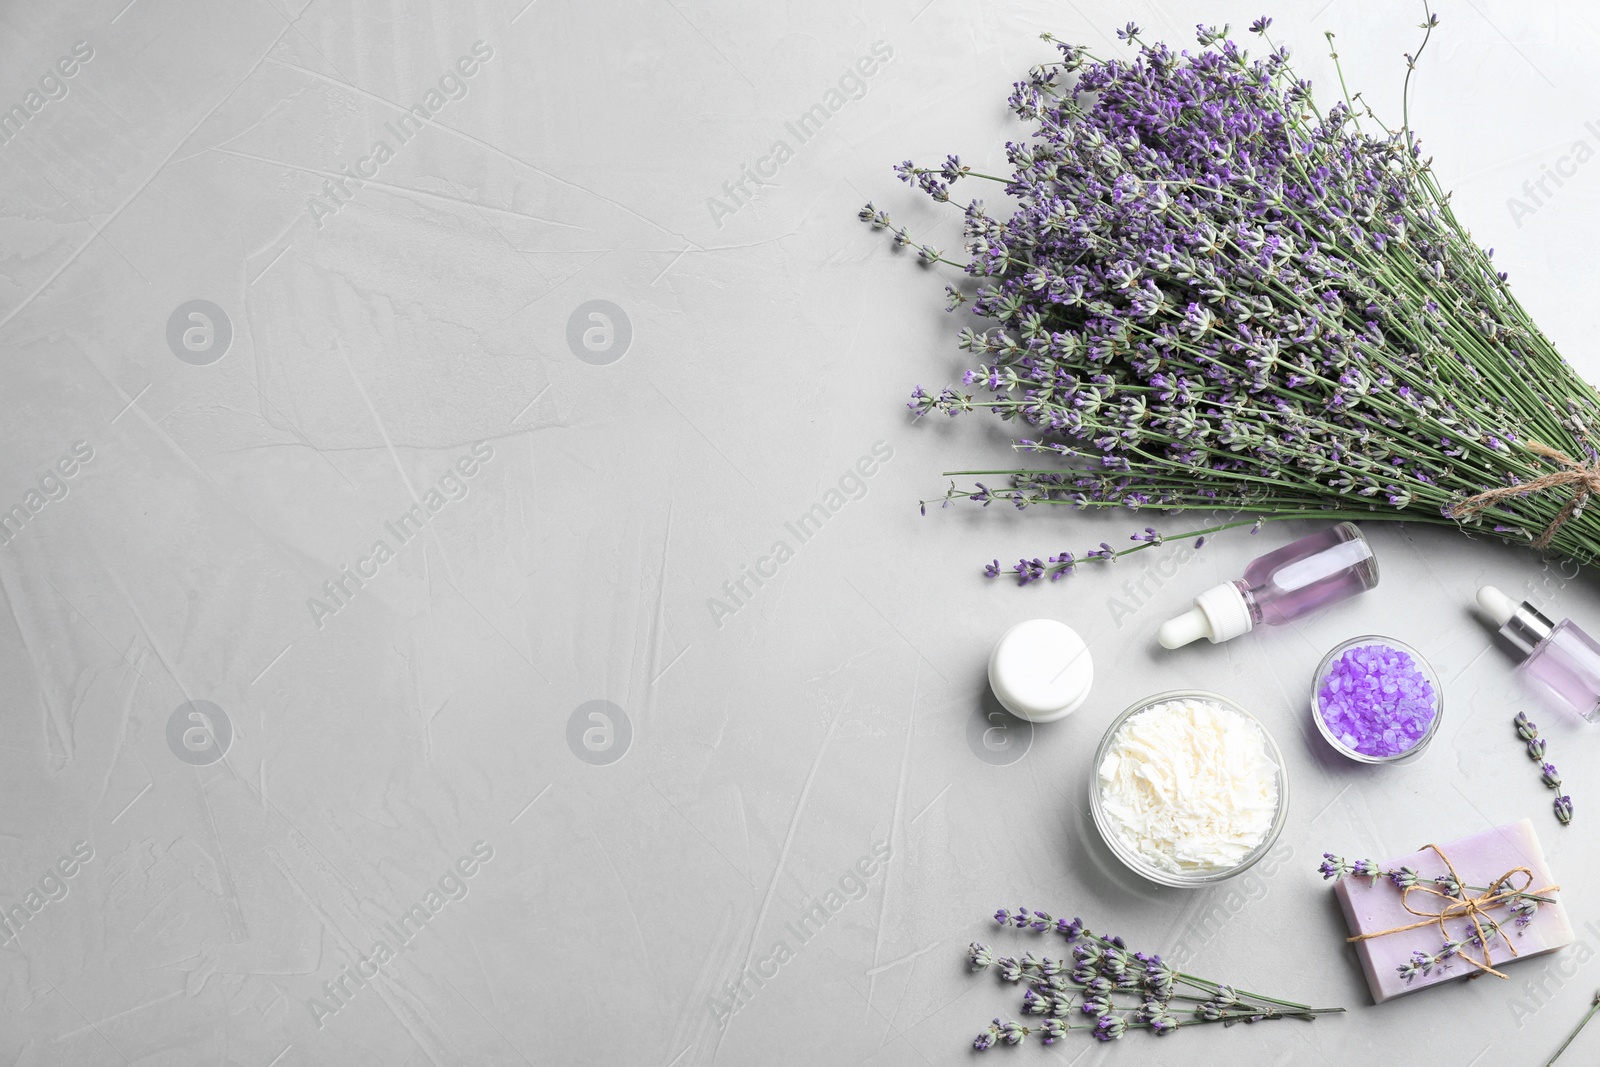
x: 1190, y: 785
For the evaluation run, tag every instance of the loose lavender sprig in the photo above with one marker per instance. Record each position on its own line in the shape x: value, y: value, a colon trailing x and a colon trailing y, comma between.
x: 1528, y: 731
x: 1215, y: 295
x: 1594, y: 1006
x: 1117, y: 989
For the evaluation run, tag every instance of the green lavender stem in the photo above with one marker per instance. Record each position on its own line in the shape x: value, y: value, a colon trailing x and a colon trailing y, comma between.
x: 1595, y: 1007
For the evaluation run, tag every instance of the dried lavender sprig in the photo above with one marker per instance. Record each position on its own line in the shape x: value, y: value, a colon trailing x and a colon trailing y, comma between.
x: 1112, y: 1026
x: 1537, y: 748
x: 1334, y: 867
x: 1594, y: 1006
x: 1052, y: 978
x: 1074, y: 931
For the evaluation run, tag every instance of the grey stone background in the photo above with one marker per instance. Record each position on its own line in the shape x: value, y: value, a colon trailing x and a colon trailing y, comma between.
x: 268, y: 777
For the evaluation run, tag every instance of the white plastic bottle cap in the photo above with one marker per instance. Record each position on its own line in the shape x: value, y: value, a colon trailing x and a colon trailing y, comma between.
x: 1219, y: 614
x: 1040, y: 670
x: 1496, y: 605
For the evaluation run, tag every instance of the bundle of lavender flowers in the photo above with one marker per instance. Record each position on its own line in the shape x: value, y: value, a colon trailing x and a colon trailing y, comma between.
x: 1118, y: 990
x: 1214, y: 295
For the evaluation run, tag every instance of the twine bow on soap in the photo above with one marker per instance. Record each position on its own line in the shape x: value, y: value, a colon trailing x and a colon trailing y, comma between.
x: 1465, y: 907
x: 1584, y: 475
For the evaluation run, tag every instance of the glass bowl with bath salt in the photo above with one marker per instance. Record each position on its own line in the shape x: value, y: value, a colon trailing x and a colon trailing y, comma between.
x: 1188, y: 788
x: 1376, y: 700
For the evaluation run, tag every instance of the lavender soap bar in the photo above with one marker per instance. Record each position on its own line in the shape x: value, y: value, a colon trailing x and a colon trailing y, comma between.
x: 1371, y: 907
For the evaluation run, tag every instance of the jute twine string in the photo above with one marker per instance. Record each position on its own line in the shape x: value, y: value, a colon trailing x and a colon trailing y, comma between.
x: 1464, y: 907
x: 1584, y: 475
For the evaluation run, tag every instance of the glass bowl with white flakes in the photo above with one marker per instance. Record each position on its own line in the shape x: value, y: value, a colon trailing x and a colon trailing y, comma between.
x: 1188, y: 788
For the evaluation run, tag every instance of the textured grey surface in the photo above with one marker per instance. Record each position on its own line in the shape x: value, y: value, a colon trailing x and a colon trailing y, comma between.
x: 748, y: 357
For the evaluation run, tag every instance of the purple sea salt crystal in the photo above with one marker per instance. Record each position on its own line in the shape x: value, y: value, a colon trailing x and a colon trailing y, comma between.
x: 1376, y: 701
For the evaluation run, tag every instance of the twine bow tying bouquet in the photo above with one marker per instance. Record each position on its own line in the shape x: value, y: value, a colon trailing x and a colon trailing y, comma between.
x: 1215, y: 295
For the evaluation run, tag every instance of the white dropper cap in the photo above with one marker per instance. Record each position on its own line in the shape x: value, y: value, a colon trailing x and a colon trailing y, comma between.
x: 1041, y: 670
x: 1219, y: 614
x: 1496, y: 605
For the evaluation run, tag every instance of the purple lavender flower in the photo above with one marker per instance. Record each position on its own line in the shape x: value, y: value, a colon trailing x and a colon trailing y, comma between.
x: 1525, y: 727
x: 1110, y: 1028
x: 1563, y: 806
x: 1404, y: 878
x: 1551, y: 776
x: 1536, y: 749
x: 1524, y: 908
x: 1334, y: 866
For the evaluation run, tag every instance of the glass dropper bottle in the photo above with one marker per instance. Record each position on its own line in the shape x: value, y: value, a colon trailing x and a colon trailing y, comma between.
x: 1286, y: 583
x: 1558, y: 654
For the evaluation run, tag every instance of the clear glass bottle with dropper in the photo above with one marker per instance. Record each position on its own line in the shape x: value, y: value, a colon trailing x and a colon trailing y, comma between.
x: 1286, y: 583
x: 1557, y: 654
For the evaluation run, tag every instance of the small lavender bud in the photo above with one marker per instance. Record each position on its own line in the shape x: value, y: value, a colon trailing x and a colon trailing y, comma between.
x: 1525, y: 728
x: 1404, y: 878
x: 1551, y: 776
x: 979, y: 956
x: 1536, y: 750
x: 1564, y: 809
x: 1110, y: 1028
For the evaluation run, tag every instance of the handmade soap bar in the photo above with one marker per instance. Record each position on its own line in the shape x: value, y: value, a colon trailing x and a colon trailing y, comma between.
x: 1479, y: 860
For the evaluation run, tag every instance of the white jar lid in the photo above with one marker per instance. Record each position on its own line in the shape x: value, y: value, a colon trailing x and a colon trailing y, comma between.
x: 1040, y: 670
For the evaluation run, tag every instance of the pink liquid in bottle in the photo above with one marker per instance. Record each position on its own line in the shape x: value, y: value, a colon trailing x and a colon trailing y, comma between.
x: 1284, y: 584
x: 1308, y: 574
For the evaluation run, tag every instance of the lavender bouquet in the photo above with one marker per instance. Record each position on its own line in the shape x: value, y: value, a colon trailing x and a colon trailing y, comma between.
x: 1214, y: 295
x: 1116, y: 990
